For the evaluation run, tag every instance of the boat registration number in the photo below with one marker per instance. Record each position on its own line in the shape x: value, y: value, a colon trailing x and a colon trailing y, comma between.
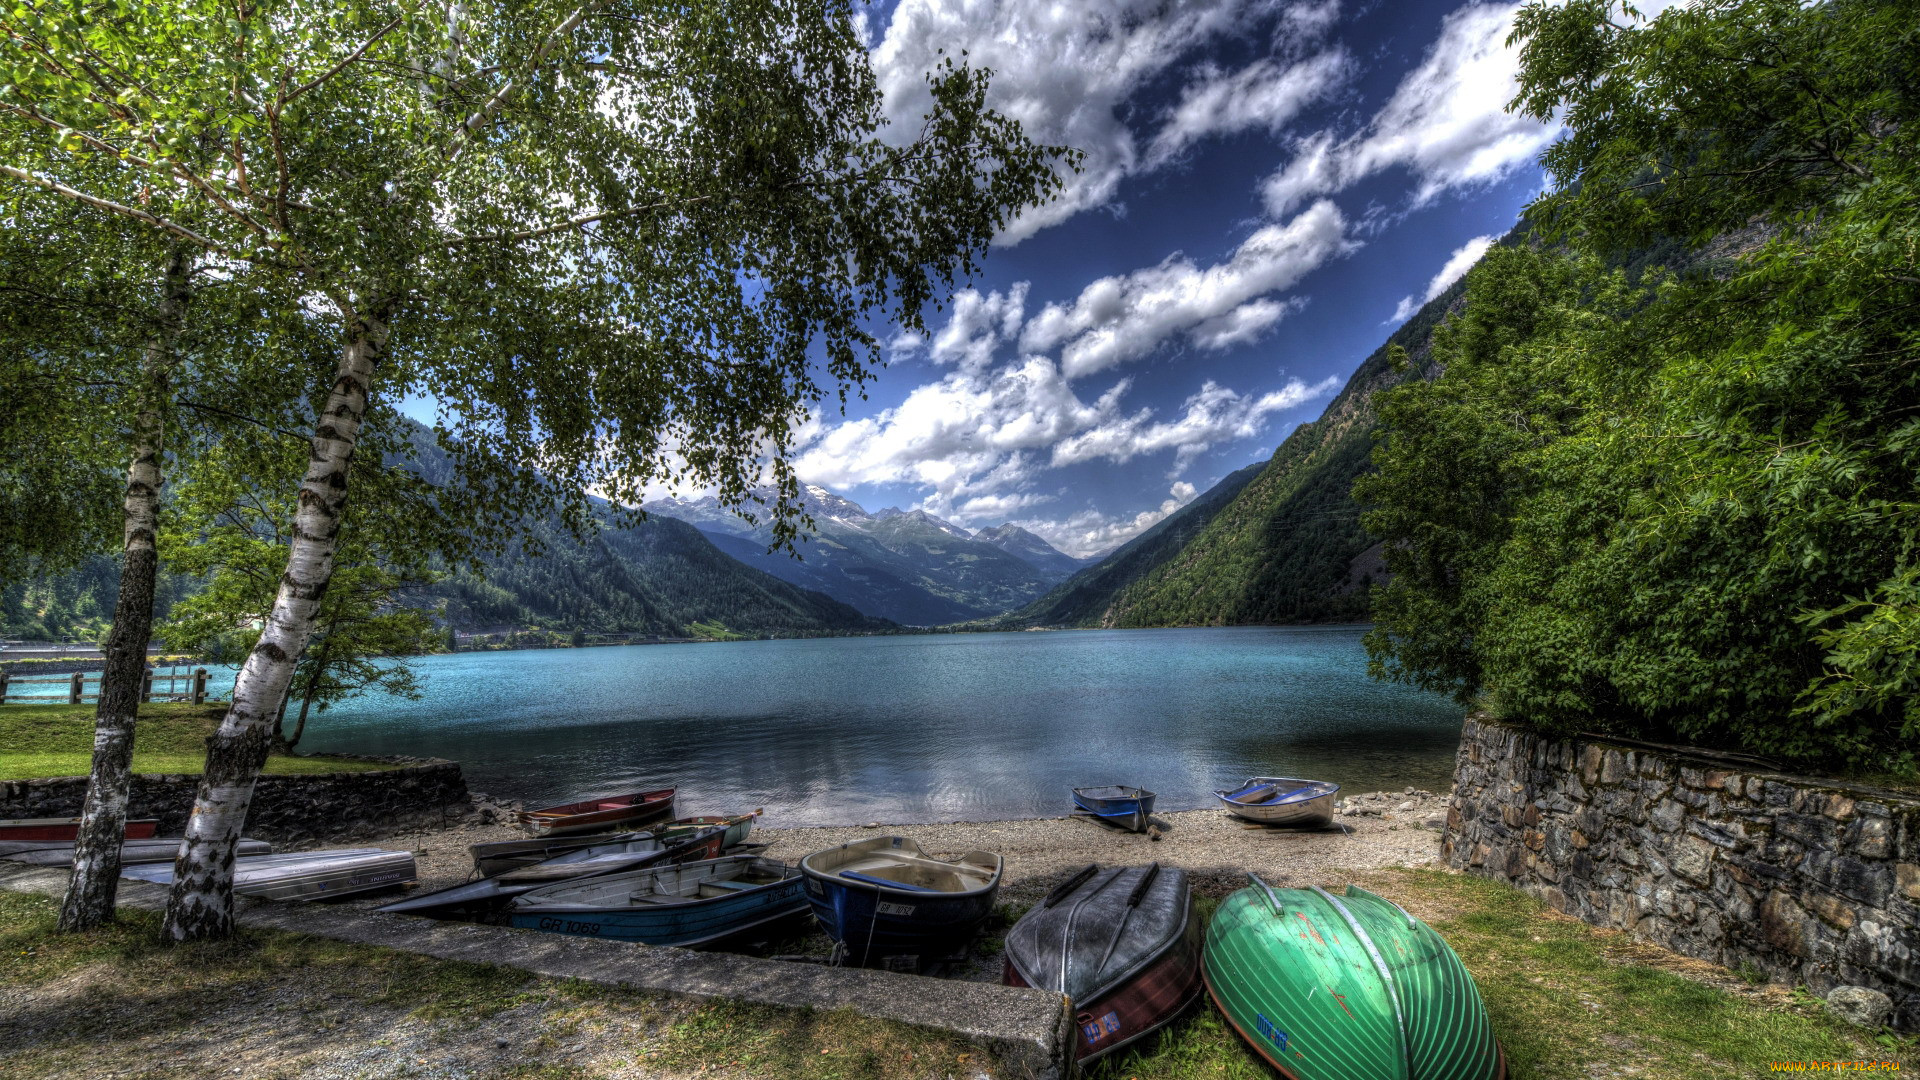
x: 886, y: 908
x: 1095, y: 1030
x: 1274, y: 1035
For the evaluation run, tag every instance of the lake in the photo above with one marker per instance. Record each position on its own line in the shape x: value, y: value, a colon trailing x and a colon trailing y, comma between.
x: 912, y: 729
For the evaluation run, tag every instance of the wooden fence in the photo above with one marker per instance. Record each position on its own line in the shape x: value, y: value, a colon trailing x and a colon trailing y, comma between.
x: 81, y: 687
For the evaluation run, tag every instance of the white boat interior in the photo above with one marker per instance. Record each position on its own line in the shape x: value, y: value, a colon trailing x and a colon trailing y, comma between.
x: 898, y: 861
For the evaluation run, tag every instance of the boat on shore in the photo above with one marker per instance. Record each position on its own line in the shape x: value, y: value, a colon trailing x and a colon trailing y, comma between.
x: 1282, y: 800
x: 589, y: 860
x: 597, y: 815
x: 132, y: 852
x: 1123, y: 946
x: 886, y: 902
x: 304, y: 875
x: 738, y: 826
x: 498, y: 857
x: 1347, y: 987
x: 1116, y: 804
x: 691, y: 904
x: 67, y: 830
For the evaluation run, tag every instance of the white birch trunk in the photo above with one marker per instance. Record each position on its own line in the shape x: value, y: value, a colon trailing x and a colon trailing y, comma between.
x: 201, y: 905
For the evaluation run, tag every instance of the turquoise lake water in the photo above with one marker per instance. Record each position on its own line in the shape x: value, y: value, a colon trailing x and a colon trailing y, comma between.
x: 915, y: 728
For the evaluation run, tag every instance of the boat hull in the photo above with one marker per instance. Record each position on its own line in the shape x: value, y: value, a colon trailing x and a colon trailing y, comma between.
x: 738, y: 828
x: 67, y: 830
x: 685, y: 924
x: 491, y: 893
x: 132, y: 852
x: 1313, y: 811
x: 598, y: 815
x: 1139, y: 1007
x: 307, y: 875
x: 1303, y: 977
x: 1130, y: 810
x: 494, y: 859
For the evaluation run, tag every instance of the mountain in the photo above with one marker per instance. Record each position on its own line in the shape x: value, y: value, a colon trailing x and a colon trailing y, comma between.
x: 908, y: 566
x: 1032, y: 550
x: 1085, y: 598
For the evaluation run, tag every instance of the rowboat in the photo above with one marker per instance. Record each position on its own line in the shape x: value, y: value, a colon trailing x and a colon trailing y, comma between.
x: 589, y: 861
x: 691, y: 904
x: 132, y: 852
x: 886, y: 901
x: 304, y: 875
x: 67, y: 830
x: 738, y: 827
x: 491, y: 860
x: 1346, y: 988
x: 594, y: 815
x: 1127, y: 807
x: 1121, y: 944
x: 1281, y: 800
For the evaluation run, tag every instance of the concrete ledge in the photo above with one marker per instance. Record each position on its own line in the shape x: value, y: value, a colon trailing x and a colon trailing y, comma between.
x: 1030, y: 1031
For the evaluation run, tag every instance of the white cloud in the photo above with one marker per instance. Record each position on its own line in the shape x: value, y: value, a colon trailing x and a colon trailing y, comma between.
x: 1091, y: 532
x: 978, y: 325
x: 1456, y: 266
x: 1446, y: 123
x: 1125, y: 317
x: 1265, y: 94
x: 1215, y: 414
x: 1066, y: 69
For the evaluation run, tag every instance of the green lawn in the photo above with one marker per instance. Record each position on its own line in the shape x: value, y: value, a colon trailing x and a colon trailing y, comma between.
x: 1567, y: 1000
x: 57, y: 740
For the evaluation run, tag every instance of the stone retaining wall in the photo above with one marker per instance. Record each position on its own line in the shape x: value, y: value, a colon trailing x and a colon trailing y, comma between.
x: 1812, y: 881
x: 286, y: 809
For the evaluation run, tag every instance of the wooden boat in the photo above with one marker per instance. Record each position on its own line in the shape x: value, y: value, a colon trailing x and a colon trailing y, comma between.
x: 1121, y: 944
x: 595, y: 815
x: 491, y: 860
x: 887, y: 902
x: 1282, y: 800
x: 691, y: 904
x: 304, y: 875
x: 132, y: 852
x: 67, y: 830
x: 1119, y: 805
x: 1346, y: 988
x: 589, y: 861
x: 738, y: 827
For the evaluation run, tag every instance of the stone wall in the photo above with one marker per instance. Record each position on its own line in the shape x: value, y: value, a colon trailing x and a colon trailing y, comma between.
x: 1812, y: 881
x: 286, y: 809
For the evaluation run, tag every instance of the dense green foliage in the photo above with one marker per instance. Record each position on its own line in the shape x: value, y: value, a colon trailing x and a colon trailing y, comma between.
x: 1684, y: 505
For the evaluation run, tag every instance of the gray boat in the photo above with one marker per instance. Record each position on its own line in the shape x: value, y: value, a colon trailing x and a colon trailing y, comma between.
x: 132, y: 852
x: 304, y: 875
x: 492, y: 860
x: 1282, y: 800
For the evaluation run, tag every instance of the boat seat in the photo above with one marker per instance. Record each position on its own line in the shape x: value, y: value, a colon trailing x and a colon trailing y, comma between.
x: 655, y: 898
x: 855, y: 875
x: 734, y: 885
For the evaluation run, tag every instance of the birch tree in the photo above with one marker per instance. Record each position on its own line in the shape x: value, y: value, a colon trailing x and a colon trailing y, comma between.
x: 618, y: 242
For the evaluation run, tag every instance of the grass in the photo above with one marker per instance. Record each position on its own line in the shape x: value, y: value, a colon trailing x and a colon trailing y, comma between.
x: 278, y: 1004
x: 57, y: 740
x: 1567, y: 1000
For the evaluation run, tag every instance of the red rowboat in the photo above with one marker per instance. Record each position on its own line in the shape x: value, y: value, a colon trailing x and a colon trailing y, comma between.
x: 66, y: 830
x: 593, y: 815
x: 1122, y: 944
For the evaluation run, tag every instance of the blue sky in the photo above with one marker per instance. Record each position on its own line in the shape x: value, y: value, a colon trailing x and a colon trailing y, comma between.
x: 1269, y: 188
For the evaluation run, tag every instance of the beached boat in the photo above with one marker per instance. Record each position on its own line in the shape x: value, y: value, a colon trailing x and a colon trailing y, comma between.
x: 1121, y: 944
x: 67, y: 830
x: 494, y: 859
x: 691, y: 904
x: 738, y: 827
x: 591, y: 860
x: 132, y: 852
x: 887, y: 902
x: 1346, y: 988
x: 1118, y: 805
x: 597, y: 815
x: 1281, y: 800
x: 304, y: 875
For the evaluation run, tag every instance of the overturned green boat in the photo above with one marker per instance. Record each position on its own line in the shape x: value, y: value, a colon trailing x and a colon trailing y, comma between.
x: 1346, y: 988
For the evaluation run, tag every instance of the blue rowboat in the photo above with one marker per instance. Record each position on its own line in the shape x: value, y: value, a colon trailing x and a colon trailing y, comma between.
x: 1127, y: 807
x: 691, y: 904
x: 1281, y: 800
x: 890, y: 904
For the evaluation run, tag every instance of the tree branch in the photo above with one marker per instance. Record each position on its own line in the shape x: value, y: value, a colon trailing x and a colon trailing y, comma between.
x: 465, y: 135
x: 112, y: 207
x: 342, y: 65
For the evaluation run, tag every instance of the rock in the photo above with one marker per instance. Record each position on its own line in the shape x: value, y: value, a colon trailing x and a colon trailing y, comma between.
x: 1404, y: 807
x: 871, y: 825
x: 1435, y: 821
x: 1860, y: 1005
x: 1409, y: 791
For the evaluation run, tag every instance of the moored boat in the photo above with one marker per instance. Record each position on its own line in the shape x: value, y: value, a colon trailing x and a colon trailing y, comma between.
x: 589, y: 861
x: 493, y: 859
x: 885, y: 901
x: 1122, y: 944
x: 1281, y: 800
x: 690, y: 904
x: 304, y: 875
x: 132, y: 852
x: 595, y: 815
x: 739, y: 827
x: 67, y: 830
x: 1346, y: 988
x: 1116, y: 804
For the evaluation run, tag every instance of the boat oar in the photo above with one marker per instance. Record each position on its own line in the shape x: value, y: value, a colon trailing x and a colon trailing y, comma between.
x: 1133, y: 901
